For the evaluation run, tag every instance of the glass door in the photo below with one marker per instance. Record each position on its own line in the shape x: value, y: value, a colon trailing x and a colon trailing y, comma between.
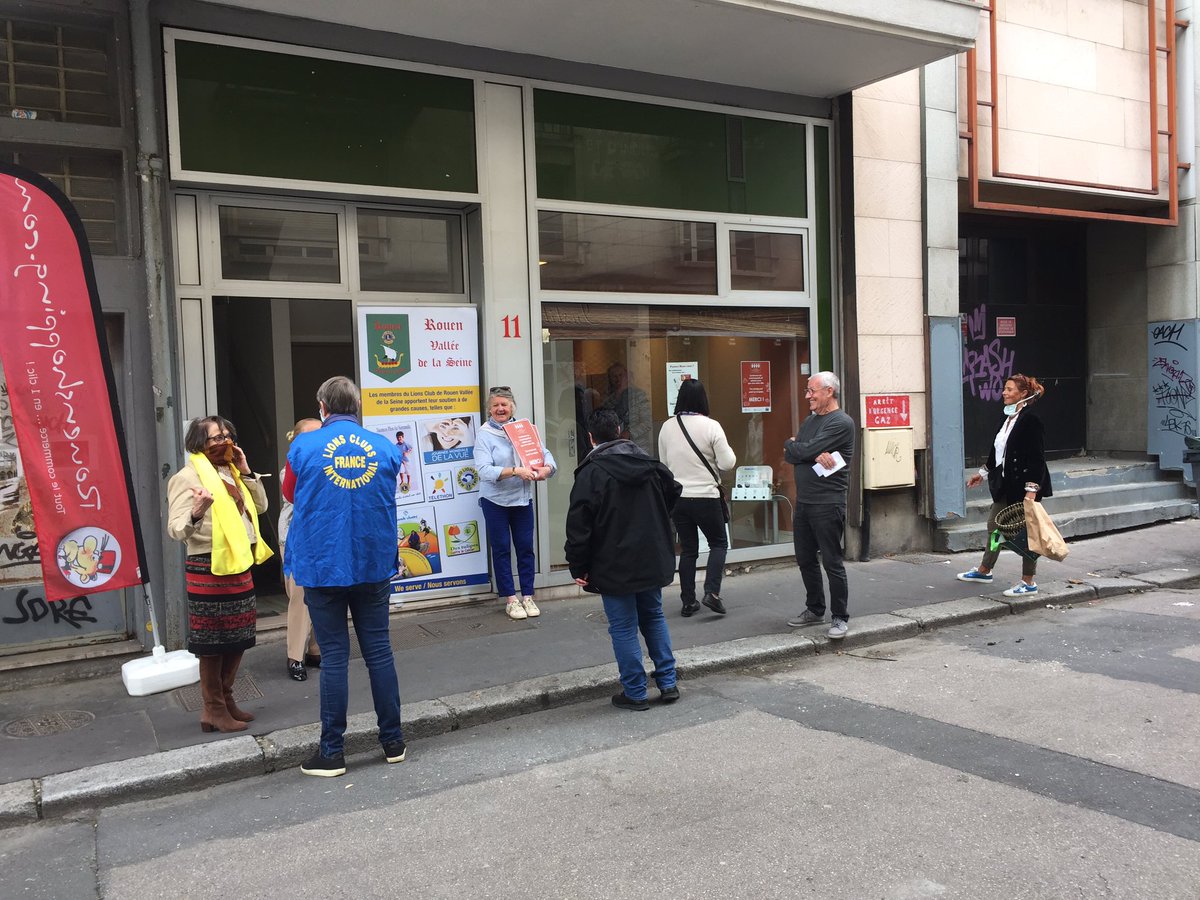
x: 283, y: 281
x: 630, y: 358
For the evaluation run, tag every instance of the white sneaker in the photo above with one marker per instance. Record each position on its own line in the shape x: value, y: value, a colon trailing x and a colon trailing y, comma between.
x: 838, y: 629
x: 531, y: 608
x: 514, y: 609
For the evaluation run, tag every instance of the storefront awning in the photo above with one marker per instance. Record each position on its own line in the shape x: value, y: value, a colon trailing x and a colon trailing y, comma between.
x: 815, y: 48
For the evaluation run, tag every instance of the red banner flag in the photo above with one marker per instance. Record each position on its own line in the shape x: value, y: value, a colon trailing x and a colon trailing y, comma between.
x: 62, y: 394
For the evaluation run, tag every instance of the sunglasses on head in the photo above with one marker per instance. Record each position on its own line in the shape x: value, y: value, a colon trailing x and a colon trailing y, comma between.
x: 500, y: 389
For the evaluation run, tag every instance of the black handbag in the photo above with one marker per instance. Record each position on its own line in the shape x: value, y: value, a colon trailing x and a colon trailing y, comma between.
x: 716, y: 478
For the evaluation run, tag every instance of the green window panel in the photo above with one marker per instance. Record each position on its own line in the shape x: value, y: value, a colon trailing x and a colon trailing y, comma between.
x: 598, y: 150
x: 258, y: 113
x: 823, y: 256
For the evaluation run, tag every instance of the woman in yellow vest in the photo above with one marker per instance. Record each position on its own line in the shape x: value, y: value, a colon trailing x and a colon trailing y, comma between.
x: 215, y: 501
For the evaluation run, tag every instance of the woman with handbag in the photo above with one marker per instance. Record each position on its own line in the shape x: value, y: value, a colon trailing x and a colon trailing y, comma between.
x: 1015, y: 471
x: 695, y: 449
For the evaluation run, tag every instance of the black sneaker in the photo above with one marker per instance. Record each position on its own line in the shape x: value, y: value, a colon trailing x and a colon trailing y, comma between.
x: 690, y: 608
x: 394, y: 752
x: 713, y: 602
x: 622, y: 702
x: 670, y: 695
x: 324, y: 766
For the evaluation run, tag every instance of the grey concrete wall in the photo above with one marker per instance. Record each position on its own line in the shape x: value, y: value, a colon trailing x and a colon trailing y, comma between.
x: 945, y: 493
x: 1118, y: 280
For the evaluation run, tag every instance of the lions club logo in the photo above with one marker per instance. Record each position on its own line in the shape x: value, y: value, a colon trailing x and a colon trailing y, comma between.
x: 387, y: 346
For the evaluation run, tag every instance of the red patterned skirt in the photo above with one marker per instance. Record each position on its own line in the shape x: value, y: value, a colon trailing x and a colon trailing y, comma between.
x: 221, y: 609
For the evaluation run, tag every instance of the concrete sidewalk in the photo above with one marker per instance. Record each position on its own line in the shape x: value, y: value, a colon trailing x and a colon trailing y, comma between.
x: 86, y: 744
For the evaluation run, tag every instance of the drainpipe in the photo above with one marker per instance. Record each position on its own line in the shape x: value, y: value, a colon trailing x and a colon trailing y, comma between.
x: 158, y: 302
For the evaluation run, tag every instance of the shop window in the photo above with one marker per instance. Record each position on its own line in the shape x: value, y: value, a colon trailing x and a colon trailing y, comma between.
x: 766, y: 261
x: 253, y: 112
x: 58, y: 73
x: 624, y: 254
x: 279, y: 245
x: 630, y: 357
x: 601, y: 150
x: 93, y: 181
x: 403, y: 251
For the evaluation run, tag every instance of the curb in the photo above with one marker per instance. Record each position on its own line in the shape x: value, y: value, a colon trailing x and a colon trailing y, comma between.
x: 204, y: 765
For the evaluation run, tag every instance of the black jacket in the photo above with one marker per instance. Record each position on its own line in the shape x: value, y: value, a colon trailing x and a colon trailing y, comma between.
x: 619, y: 522
x: 1024, y: 462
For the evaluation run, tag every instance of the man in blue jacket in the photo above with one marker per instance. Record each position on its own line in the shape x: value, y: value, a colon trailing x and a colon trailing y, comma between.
x: 342, y: 550
x: 620, y: 545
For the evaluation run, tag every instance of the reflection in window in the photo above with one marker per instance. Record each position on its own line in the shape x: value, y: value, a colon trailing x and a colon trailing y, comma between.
x: 402, y: 251
x: 580, y: 252
x: 764, y: 261
x: 603, y: 150
x: 279, y: 245
x: 600, y: 355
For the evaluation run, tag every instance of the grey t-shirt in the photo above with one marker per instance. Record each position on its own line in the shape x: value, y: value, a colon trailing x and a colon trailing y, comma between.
x: 817, y: 435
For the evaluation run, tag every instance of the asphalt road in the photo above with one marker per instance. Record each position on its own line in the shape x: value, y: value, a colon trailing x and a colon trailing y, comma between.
x: 1047, y: 755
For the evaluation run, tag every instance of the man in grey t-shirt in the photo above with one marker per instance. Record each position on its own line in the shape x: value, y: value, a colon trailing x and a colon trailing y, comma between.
x: 819, y: 522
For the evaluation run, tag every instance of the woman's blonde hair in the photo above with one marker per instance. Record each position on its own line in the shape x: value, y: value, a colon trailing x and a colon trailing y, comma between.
x: 299, y: 428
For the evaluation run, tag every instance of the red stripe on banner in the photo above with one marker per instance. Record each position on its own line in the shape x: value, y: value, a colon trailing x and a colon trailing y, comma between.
x: 61, y: 393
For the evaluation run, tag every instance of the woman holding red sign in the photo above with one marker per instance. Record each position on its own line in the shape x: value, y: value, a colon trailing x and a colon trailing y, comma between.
x: 214, y: 504
x: 506, y: 498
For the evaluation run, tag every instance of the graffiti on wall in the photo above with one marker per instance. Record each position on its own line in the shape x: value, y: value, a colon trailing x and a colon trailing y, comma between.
x: 1173, y: 359
x: 986, y: 364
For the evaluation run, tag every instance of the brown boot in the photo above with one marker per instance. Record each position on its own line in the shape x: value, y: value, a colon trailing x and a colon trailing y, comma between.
x: 229, y: 669
x: 215, y: 716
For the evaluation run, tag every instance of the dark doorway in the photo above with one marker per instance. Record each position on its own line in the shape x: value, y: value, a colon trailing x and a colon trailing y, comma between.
x: 1023, y: 302
x: 271, y: 356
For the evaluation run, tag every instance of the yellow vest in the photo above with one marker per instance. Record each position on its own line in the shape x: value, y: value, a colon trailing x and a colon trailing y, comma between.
x: 230, y: 545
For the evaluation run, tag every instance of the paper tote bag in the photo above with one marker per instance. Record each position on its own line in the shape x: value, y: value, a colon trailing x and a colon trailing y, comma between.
x: 1044, y: 539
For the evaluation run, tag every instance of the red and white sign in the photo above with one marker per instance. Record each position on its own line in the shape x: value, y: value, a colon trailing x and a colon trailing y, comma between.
x: 756, y: 386
x: 1006, y: 326
x: 62, y: 395
x: 526, y: 443
x: 887, y: 411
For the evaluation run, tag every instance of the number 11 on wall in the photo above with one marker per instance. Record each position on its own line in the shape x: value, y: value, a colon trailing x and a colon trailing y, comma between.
x: 512, y: 326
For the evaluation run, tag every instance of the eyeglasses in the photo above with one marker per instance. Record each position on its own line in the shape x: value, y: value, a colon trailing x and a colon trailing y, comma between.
x: 213, y: 438
x: 810, y: 391
x: 500, y: 389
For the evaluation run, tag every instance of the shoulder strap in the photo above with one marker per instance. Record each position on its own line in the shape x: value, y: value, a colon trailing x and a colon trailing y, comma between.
x: 692, y: 443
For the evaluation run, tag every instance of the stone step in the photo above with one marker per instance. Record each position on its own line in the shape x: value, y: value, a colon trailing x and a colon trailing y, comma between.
x: 1071, y: 499
x: 964, y: 535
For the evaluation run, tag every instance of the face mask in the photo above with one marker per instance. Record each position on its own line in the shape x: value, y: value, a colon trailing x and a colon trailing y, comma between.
x: 220, y: 454
x: 1011, y: 409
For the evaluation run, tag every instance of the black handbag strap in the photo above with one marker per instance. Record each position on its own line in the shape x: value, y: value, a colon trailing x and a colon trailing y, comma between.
x: 703, y: 459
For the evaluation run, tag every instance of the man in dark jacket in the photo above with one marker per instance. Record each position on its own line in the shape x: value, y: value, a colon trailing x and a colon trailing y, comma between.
x: 619, y: 544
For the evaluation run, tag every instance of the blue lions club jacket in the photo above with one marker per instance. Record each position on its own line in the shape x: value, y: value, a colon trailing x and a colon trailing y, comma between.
x: 343, y: 529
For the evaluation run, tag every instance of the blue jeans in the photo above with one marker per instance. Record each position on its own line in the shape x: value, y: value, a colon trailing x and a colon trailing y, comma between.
x: 503, y: 521
x: 820, y: 527
x: 693, y: 514
x: 368, y: 607
x: 626, y: 613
